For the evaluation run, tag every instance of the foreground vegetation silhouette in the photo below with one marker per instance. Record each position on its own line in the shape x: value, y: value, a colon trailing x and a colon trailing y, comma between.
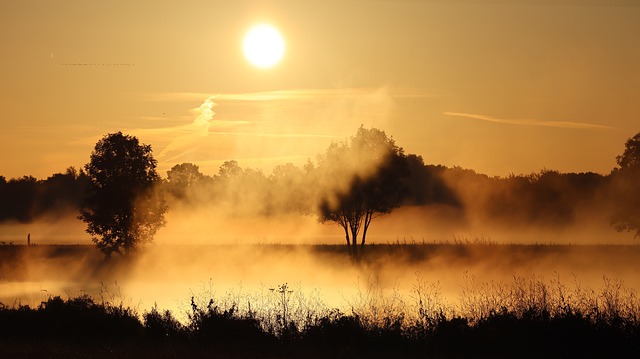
x: 525, y: 318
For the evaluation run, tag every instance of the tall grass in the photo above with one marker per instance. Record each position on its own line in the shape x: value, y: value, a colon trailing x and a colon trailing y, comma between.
x: 526, y: 316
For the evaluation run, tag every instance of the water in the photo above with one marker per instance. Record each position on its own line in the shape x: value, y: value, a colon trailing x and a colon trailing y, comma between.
x: 167, y: 276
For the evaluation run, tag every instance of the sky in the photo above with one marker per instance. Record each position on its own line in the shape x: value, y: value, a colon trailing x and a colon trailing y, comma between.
x: 496, y: 86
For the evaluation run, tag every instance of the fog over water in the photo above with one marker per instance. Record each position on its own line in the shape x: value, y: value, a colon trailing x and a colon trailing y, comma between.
x: 257, y: 256
x: 240, y: 233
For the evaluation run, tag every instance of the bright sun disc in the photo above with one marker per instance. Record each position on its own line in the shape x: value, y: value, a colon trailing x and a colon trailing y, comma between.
x: 263, y: 46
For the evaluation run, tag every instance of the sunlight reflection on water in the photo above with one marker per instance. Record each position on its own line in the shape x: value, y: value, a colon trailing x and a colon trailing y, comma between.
x: 168, y: 276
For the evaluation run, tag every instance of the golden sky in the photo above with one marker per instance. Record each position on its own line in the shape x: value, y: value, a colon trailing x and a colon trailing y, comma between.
x: 497, y: 86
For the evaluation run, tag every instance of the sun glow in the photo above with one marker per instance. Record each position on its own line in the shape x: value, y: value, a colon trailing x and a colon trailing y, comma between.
x: 263, y: 46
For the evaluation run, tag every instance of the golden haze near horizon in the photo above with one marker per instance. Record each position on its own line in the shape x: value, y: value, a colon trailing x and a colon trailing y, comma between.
x: 493, y: 86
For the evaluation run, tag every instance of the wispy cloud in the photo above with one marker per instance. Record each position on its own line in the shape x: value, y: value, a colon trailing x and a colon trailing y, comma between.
x: 192, y: 133
x: 291, y: 94
x: 204, y: 131
x: 175, y: 96
x: 530, y: 122
x: 301, y: 94
x: 280, y: 135
x: 292, y: 123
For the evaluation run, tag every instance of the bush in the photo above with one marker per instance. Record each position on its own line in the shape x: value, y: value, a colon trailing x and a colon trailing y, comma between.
x: 526, y: 318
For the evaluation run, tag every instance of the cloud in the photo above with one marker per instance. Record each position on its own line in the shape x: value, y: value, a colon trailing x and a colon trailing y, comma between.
x: 279, y: 135
x: 261, y: 127
x: 291, y: 94
x: 279, y: 113
x: 175, y: 96
x: 191, y: 134
x: 530, y: 122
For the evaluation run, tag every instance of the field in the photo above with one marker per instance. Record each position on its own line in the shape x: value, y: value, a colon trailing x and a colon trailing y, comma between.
x: 403, y: 293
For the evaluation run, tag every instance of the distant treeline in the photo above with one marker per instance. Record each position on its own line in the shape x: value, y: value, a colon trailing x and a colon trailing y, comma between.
x: 544, y: 198
x: 26, y: 199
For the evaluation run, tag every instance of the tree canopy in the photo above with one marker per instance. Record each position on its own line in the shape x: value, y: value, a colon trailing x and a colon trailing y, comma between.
x: 122, y: 210
x: 183, y: 177
x: 630, y: 158
x: 340, y: 183
x: 627, y: 188
x: 372, y: 167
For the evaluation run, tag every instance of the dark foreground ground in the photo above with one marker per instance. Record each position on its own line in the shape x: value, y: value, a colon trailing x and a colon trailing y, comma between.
x: 529, y: 318
x: 80, y: 328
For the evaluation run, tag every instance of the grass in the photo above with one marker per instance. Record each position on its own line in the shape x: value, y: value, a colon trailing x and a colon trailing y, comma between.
x: 521, y: 316
x: 525, y: 317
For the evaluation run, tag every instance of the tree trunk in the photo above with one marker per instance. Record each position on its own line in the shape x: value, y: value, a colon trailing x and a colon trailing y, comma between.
x: 354, y: 240
x: 346, y: 234
x: 354, y: 252
x: 367, y: 221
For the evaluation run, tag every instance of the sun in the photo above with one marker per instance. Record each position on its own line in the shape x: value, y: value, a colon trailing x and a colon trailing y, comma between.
x: 263, y: 46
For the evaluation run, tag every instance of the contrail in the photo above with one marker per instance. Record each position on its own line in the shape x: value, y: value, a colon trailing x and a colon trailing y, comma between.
x: 530, y: 122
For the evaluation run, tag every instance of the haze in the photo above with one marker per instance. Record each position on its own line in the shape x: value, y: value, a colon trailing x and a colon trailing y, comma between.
x: 482, y: 90
x: 500, y: 87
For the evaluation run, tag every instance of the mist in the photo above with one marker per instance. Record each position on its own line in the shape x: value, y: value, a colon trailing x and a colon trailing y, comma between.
x: 169, y: 275
x: 246, y: 206
x: 241, y: 232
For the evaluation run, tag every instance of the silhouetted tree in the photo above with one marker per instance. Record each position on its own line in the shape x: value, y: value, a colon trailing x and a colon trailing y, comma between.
x: 62, y: 193
x: 122, y: 209
x: 630, y: 158
x: 627, y: 184
x: 289, y: 190
x: 182, y: 177
x: 229, y: 169
x: 375, y: 187
x: 241, y: 191
x: 25, y: 199
x: 425, y: 185
x: 19, y: 198
x: 3, y: 194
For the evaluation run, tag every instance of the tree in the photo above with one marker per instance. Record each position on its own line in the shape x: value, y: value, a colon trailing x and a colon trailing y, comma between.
x: 230, y: 169
x: 288, y: 191
x: 626, y: 183
x: 373, y: 167
x: 184, y: 174
x: 122, y: 209
x: 61, y: 193
x: 183, y: 177
x: 630, y: 158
